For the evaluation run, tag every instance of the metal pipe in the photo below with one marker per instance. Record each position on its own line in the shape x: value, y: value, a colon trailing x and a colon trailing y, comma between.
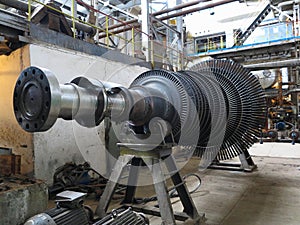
x: 159, y: 13
x: 296, y: 90
x: 119, y: 30
x: 280, y: 92
x: 122, y: 24
x: 207, y: 6
x: 24, y: 7
x: 177, y: 7
x: 272, y: 65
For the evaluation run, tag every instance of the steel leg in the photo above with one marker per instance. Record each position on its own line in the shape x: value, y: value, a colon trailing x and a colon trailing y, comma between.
x: 111, y: 184
x: 184, y: 195
x: 132, y: 180
x: 163, y: 199
x: 247, y: 162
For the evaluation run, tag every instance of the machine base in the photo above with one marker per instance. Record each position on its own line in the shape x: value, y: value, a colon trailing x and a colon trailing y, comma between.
x: 153, y: 159
x: 246, y: 165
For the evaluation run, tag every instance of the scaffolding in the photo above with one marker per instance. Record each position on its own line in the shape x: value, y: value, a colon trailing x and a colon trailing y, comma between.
x: 120, y: 30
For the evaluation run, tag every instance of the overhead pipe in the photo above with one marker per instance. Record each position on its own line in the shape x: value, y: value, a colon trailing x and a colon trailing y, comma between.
x: 272, y: 65
x: 125, y: 23
x: 296, y: 90
x: 158, y: 13
x: 181, y: 6
x: 185, y: 12
x: 118, y: 31
x: 177, y: 7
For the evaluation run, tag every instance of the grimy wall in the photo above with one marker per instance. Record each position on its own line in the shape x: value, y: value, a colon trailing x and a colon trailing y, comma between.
x: 66, y: 141
x: 11, y: 134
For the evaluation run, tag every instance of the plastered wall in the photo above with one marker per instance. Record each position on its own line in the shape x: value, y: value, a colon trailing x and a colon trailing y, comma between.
x: 11, y: 135
x: 67, y: 141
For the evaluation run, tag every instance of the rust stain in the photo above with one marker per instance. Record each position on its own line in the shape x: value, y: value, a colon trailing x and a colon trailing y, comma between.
x: 11, y: 135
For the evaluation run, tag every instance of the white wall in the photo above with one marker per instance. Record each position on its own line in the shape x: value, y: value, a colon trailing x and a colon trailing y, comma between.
x: 67, y: 141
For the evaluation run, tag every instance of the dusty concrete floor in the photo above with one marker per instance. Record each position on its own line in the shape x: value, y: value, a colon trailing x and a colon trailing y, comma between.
x: 268, y: 196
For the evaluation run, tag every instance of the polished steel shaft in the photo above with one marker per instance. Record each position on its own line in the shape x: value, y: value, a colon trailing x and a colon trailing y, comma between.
x: 39, y: 100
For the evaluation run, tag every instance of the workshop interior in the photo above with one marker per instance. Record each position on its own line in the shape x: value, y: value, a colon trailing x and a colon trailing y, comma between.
x: 149, y: 112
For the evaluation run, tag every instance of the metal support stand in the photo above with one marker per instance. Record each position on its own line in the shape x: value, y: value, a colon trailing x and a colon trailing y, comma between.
x: 247, y: 164
x: 153, y: 160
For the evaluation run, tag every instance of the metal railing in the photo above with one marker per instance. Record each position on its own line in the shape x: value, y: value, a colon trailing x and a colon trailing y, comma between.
x: 105, y: 35
x: 266, y: 34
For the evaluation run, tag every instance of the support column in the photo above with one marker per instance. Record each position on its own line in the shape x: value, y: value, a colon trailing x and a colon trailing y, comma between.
x: 112, y: 184
x: 96, y: 7
x: 179, y: 25
x: 180, y: 43
x: 164, y: 202
x: 145, y: 29
x: 181, y: 188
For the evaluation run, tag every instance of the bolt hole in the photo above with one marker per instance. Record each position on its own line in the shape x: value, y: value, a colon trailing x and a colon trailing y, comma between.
x: 33, y: 71
x: 47, y: 104
x: 35, y: 126
x: 27, y: 126
x: 25, y: 74
x: 19, y: 82
x: 47, y: 89
x: 41, y: 76
x: 20, y: 120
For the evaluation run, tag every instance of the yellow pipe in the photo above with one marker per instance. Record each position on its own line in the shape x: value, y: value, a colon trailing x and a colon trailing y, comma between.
x: 132, y: 41
x: 29, y: 10
x: 222, y: 42
x: 152, y: 54
x: 73, y: 20
x: 158, y: 56
x: 106, y: 26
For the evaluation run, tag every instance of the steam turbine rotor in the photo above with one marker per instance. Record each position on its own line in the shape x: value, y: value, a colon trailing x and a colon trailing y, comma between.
x: 216, y: 107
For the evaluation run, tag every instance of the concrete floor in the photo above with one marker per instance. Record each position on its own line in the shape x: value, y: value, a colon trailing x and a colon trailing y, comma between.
x: 268, y: 196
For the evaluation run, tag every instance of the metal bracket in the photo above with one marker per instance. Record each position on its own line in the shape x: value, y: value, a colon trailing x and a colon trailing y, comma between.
x: 247, y: 164
x: 153, y: 162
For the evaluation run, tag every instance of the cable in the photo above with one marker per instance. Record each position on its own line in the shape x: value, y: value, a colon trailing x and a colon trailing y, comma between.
x: 172, y: 192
